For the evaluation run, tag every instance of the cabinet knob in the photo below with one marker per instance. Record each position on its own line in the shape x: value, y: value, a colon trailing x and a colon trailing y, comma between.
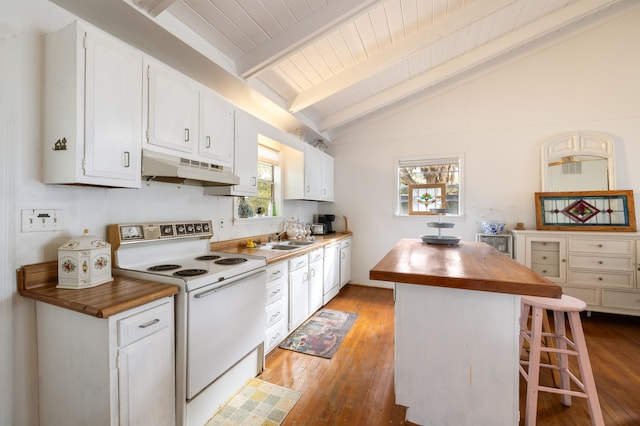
x: 600, y: 262
x: 208, y: 143
x: 563, y: 260
x: 544, y: 257
x: 186, y: 135
x: 127, y: 159
x: 544, y: 271
x: 599, y: 278
x: 599, y: 245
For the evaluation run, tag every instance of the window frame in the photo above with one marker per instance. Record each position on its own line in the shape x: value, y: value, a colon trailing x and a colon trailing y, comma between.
x: 430, y: 159
x: 274, y: 160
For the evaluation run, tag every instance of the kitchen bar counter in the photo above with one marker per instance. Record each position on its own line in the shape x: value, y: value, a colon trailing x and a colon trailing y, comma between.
x: 467, y: 266
x: 456, y: 323
x: 39, y: 282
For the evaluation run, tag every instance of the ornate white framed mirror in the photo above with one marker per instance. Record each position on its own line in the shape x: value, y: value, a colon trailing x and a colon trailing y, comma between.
x: 578, y: 161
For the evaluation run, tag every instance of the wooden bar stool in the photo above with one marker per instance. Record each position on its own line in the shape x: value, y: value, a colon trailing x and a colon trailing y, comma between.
x: 564, y: 348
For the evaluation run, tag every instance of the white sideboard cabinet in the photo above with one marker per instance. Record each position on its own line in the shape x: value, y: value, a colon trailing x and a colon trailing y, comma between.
x: 600, y: 268
x: 110, y: 371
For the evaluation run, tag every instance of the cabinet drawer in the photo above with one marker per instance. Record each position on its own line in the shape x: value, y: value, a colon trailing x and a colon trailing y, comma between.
x: 590, y: 296
x: 621, y: 299
x: 316, y: 255
x: 545, y: 246
x: 143, y: 324
x: 545, y: 257
x: 275, y: 334
x: 274, y: 313
x: 545, y: 270
x: 601, y: 279
x: 601, y: 246
x: 298, y: 263
x: 275, y: 290
x: 601, y: 262
x: 277, y: 270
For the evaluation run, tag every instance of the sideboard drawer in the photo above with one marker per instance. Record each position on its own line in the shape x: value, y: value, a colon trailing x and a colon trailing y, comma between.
x: 545, y: 257
x: 601, y: 279
x: 546, y: 270
x: 590, y: 296
x: 601, y: 262
x: 621, y: 299
x: 601, y: 246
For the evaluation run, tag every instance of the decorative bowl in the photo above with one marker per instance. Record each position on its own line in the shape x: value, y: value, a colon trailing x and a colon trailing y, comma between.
x: 492, y: 227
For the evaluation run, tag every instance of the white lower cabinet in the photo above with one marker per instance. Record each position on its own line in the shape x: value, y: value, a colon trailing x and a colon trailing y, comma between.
x: 277, y: 305
x: 345, y: 261
x: 598, y: 267
x: 298, y: 291
x: 113, y: 371
x: 316, y: 277
x: 331, y: 271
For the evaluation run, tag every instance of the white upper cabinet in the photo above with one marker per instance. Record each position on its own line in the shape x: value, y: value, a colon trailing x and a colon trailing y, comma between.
x: 245, y: 158
x: 216, y: 128
x: 93, y: 117
x: 187, y: 119
x: 326, y: 187
x: 308, y: 175
x: 173, y: 108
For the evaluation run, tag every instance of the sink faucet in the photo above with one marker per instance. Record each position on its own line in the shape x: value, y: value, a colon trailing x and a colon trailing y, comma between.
x: 278, y: 236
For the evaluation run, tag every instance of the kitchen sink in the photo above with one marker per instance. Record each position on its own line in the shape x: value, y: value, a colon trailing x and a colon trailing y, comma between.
x: 285, y: 247
x: 300, y: 243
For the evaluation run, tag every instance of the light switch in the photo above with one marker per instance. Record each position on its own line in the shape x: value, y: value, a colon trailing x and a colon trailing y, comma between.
x: 39, y: 220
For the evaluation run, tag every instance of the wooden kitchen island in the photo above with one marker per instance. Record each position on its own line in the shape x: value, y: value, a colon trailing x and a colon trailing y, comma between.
x: 456, y: 318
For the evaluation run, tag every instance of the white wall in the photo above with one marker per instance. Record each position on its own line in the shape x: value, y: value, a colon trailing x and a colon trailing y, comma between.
x: 498, y: 120
x: 23, y: 24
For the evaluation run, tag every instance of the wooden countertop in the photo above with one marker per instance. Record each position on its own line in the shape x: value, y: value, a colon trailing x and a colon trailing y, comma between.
x: 39, y: 282
x: 467, y: 266
x: 273, y: 256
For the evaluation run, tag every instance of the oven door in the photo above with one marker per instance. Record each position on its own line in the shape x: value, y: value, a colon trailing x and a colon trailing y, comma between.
x: 224, y: 323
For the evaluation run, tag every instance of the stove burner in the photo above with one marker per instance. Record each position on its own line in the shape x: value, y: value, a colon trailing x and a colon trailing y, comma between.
x: 208, y: 257
x: 230, y: 261
x: 169, y: 267
x: 189, y: 272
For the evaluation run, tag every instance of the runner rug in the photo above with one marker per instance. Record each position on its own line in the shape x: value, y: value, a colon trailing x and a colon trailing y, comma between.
x: 258, y: 403
x: 322, y: 334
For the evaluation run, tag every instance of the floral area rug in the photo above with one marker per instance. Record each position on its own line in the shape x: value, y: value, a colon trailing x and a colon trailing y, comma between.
x: 258, y: 403
x: 322, y: 334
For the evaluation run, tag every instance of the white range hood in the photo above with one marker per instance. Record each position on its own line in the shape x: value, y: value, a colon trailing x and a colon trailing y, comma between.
x: 169, y: 168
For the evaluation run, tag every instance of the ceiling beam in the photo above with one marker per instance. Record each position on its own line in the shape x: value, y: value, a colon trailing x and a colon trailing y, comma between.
x: 304, y: 32
x: 420, y: 40
x: 479, y: 56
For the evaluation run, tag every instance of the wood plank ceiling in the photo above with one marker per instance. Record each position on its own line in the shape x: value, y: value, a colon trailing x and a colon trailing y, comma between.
x: 336, y: 61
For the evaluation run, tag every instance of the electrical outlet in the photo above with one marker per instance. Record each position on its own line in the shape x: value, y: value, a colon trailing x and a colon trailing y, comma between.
x: 39, y: 220
x: 220, y: 224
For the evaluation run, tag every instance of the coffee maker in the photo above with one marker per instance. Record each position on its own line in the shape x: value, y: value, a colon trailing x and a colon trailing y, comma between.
x: 328, y: 220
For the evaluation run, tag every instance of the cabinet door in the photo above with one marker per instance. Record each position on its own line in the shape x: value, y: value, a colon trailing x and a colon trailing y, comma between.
x: 345, y: 261
x: 246, y: 153
x: 548, y: 257
x: 298, y: 297
x: 327, y: 177
x: 173, y: 110
x: 331, y: 272
x: 113, y: 109
x: 146, y: 381
x: 216, y: 129
x: 316, y: 277
x: 312, y: 173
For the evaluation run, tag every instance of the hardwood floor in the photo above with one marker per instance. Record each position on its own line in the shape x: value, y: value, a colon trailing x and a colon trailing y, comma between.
x: 355, y: 387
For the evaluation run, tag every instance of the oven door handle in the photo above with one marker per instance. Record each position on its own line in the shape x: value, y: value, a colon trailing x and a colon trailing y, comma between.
x: 222, y: 287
